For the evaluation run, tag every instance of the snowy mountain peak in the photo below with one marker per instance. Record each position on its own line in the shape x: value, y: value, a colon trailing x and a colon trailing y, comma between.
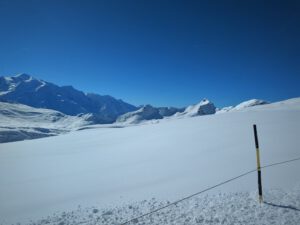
x: 147, y: 112
x: 33, y: 92
x: 250, y: 103
x: 204, y: 107
x: 23, y: 76
x: 12, y: 87
x: 243, y: 105
x: 204, y: 101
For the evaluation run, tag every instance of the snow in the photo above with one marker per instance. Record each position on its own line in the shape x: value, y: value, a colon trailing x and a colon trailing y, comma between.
x: 8, y: 79
x: 147, y: 112
x: 34, y: 92
x: 243, y: 105
x: 204, y: 107
x: 41, y: 86
x: 19, y: 122
x: 224, y: 208
x: 119, y: 171
x: 252, y: 102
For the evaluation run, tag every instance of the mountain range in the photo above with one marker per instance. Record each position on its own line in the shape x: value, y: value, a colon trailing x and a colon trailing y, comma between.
x: 33, y: 92
x: 33, y: 108
x: 100, y: 109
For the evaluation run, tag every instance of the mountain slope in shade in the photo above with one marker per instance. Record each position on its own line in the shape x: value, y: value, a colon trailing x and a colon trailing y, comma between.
x: 169, y: 111
x: 147, y: 112
x: 37, y: 93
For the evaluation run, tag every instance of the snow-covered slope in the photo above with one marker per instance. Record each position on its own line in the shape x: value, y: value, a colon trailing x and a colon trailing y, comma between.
x: 243, y: 105
x: 250, y: 103
x: 109, y: 167
x: 28, y: 90
x: 20, y: 122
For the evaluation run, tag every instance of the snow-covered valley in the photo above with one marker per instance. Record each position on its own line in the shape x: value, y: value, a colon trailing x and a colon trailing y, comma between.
x: 118, y: 171
x: 20, y: 122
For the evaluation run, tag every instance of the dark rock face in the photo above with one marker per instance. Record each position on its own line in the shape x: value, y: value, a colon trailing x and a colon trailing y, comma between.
x: 169, y: 111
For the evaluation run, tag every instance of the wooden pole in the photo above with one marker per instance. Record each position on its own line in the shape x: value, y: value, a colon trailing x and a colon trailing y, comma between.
x: 258, y: 165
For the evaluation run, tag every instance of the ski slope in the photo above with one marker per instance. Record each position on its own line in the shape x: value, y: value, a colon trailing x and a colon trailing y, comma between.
x: 167, y: 160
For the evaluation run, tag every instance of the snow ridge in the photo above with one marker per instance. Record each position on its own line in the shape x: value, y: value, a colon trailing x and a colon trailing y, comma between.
x: 243, y: 105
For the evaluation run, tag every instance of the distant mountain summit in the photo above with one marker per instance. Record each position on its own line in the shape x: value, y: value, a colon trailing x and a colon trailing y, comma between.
x: 97, y: 109
x: 148, y: 112
x: 204, y: 107
x: 33, y: 92
x: 243, y: 105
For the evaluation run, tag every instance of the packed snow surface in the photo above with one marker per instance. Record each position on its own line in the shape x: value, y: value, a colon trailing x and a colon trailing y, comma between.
x: 119, y: 171
x: 224, y: 208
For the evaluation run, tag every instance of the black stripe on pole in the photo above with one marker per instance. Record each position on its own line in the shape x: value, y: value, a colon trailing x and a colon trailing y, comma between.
x: 258, y: 165
x: 255, y: 136
x: 259, y: 183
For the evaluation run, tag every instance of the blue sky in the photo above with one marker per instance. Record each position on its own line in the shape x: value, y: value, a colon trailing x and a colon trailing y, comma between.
x: 165, y: 53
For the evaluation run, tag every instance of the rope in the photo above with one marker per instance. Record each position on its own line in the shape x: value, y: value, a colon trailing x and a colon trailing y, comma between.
x: 190, y: 196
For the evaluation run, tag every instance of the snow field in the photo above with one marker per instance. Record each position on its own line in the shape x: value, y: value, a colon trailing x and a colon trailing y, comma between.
x: 225, y: 208
x: 111, y: 167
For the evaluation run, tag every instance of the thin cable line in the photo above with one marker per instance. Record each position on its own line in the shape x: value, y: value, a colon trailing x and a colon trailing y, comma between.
x: 190, y: 196
x: 283, y: 162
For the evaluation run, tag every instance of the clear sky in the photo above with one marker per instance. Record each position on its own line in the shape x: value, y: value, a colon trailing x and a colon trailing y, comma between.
x: 164, y: 53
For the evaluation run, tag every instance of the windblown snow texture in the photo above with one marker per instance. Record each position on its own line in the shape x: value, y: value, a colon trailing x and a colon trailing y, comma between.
x: 221, y: 209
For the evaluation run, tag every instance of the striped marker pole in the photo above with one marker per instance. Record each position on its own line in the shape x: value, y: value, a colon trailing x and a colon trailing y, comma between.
x: 258, y: 165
